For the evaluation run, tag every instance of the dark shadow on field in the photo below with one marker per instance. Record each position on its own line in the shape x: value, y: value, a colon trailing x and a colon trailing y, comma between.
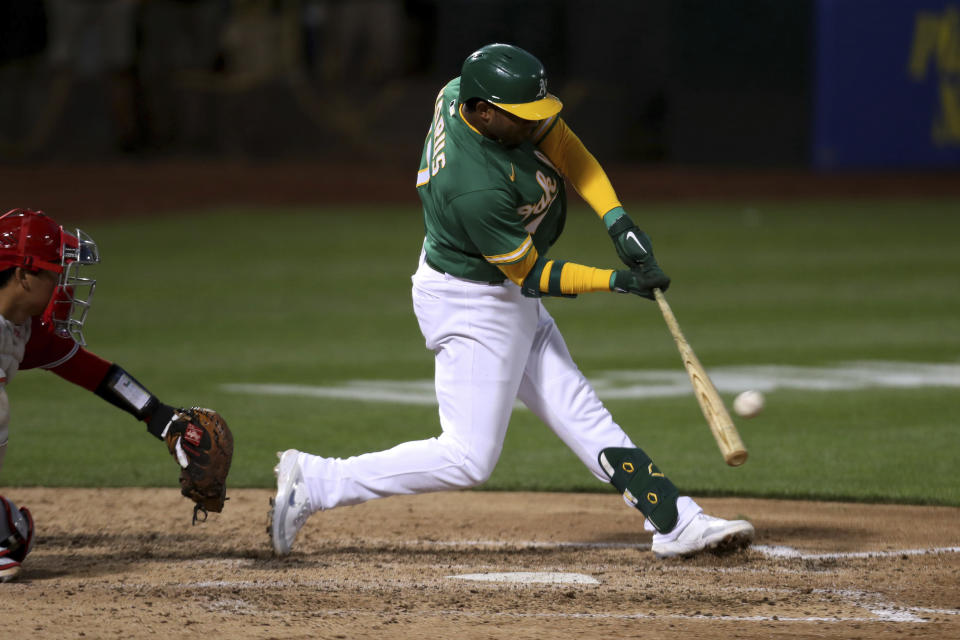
x: 75, y: 555
x: 790, y: 534
x: 62, y: 555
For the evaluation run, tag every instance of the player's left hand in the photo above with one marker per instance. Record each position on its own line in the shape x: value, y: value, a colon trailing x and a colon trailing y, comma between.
x: 640, y: 282
x: 653, y: 276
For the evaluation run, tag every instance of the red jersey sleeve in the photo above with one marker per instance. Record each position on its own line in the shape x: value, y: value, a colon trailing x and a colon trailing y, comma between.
x: 64, y: 357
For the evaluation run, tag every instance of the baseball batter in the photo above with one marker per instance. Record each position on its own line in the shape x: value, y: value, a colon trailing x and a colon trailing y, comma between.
x: 491, y: 180
x: 44, y: 301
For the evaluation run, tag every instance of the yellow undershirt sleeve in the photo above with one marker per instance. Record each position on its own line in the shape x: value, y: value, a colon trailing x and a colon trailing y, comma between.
x: 577, y: 278
x: 572, y: 278
x: 573, y: 160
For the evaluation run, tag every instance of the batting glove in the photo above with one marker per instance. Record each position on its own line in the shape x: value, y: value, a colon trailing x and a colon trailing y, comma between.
x: 641, y: 283
x: 633, y: 245
x: 635, y: 249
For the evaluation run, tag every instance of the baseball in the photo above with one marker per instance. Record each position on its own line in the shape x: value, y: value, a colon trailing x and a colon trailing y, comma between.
x: 748, y: 404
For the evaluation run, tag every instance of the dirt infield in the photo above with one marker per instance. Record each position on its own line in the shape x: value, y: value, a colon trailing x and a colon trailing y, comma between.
x: 125, y: 563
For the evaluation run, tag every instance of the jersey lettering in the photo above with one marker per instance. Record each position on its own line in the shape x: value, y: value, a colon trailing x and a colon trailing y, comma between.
x: 439, y: 159
x: 436, y: 159
x: 550, y: 191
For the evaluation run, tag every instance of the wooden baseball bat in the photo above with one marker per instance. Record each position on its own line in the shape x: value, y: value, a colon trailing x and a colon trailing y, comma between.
x: 725, y: 432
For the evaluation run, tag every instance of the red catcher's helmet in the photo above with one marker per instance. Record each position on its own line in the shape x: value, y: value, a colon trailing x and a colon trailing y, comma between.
x: 33, y: 240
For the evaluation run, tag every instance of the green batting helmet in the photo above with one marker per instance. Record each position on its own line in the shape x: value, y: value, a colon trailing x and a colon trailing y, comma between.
x: 510, y: 78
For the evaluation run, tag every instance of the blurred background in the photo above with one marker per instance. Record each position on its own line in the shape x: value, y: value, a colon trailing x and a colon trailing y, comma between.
x: 217, y: 97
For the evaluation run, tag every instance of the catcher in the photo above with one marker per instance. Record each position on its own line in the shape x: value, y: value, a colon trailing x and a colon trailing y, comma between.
x: 43, y: 305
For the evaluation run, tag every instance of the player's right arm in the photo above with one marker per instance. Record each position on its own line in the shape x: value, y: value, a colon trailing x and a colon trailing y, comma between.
x: 572, y: 158
x: 490, y: 220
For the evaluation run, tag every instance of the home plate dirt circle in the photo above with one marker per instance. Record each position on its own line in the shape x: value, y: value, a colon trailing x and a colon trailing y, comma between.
x: 126, y: 563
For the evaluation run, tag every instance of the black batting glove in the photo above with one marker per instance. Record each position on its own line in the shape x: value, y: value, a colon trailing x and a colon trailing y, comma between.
x: 636, y: 251
x: 638, y: 283
x: 632, y: 245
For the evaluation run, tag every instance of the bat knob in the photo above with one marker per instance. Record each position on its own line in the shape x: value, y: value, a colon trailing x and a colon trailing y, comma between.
x: 736, y: 458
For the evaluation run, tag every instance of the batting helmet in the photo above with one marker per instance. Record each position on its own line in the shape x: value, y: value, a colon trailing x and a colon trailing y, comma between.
x: 16, y: 538
x: 33, y: 240
x: 510, y: 78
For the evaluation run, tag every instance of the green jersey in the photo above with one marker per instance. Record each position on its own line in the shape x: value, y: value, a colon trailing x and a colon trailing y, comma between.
x: 484, y: 204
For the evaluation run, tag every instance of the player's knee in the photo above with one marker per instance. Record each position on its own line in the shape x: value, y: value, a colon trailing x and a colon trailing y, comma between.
x: 471, y: 468
x: 469, y: 471
x: 477, y: 470
x: 16, y: 538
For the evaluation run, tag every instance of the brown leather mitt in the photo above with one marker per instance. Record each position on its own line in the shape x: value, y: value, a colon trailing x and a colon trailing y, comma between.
x: 202, y: 444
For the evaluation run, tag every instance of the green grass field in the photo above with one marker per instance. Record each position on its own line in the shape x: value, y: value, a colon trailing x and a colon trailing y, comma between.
x: 193, y: 301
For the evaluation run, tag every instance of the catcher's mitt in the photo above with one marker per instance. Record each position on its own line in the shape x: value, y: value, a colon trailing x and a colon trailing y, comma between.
x: 201, y: 442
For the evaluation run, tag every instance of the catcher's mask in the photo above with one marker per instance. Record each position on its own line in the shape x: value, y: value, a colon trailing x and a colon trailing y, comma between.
x: 33, y: 240
x: 510, y: 78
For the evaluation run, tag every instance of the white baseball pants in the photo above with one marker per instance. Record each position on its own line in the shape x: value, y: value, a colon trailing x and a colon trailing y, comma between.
x: 492, y: 346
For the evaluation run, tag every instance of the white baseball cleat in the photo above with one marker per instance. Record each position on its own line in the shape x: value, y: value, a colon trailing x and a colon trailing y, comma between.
x: 704, y: 532
x: 291, y: 507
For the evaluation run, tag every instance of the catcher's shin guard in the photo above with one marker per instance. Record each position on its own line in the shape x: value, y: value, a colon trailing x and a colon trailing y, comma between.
x: 16, y: 538
x: 642, y: 484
